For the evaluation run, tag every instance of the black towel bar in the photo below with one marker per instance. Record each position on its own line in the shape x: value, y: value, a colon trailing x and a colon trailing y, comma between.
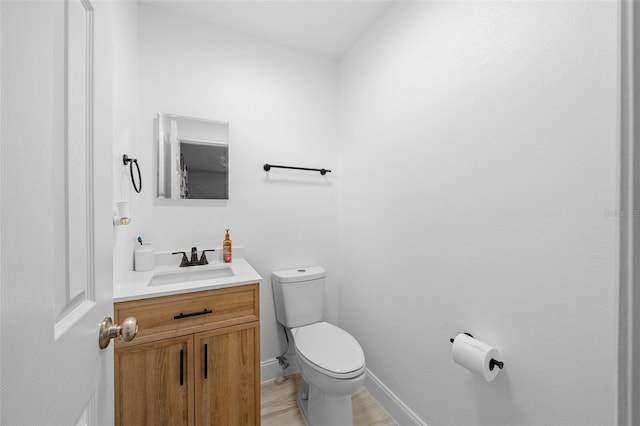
x: 268, y: 167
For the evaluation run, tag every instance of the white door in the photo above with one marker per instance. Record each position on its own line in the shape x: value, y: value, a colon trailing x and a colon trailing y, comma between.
x: 55, y: 212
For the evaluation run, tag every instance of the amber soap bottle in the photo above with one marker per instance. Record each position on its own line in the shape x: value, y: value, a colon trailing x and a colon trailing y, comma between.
x: 226, y: 248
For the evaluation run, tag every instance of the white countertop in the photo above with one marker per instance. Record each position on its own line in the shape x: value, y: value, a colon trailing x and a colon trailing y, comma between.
x: 135, y: 285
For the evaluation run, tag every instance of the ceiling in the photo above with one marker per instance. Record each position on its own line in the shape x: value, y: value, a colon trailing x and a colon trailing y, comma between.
x: 322, y: 27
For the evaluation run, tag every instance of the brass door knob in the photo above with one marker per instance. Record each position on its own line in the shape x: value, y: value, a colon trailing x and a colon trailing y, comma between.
x: 127, y: 330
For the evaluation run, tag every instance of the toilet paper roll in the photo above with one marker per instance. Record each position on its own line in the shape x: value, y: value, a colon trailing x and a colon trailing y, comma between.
x: 144, y: 258
x: 475, y: 356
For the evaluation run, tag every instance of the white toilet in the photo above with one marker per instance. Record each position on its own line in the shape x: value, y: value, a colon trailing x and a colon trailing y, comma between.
x: 331, y: 360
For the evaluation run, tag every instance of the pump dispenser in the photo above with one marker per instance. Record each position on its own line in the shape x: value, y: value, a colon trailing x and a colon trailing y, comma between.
x: 226, y: 248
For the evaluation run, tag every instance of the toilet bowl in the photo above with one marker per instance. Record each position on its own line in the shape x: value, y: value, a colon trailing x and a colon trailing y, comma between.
x: 333, y: 368
x: 332, y: 362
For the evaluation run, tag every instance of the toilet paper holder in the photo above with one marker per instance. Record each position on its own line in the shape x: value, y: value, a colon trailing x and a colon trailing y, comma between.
x: 493, y: 363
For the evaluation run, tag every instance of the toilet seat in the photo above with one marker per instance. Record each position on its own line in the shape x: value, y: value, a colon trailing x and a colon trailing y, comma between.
x: 330, y: 350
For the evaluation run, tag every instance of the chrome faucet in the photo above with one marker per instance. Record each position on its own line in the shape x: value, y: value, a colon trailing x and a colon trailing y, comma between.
x: 194, y: 257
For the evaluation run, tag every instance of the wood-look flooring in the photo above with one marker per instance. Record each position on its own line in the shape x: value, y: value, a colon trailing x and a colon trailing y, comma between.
x: 279, y: 406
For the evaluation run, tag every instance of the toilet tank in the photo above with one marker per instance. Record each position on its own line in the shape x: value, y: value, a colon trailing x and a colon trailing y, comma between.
x: 299, y: 295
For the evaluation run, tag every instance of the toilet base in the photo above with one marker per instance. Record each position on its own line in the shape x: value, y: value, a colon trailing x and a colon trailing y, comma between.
x: 321, y: 409
x: 303, y: 399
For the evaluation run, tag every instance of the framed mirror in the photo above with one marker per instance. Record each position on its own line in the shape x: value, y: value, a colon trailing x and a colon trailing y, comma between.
x: 193, y: 158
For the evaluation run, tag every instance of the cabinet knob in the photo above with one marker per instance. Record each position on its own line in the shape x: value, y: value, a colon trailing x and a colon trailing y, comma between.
x: 127, y: 330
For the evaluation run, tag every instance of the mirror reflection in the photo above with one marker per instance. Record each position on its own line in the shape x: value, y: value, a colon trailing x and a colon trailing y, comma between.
x: 193, y: 158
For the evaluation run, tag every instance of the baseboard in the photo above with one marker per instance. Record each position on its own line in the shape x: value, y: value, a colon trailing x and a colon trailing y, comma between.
x: 397, y: 409
x: 271, y: 369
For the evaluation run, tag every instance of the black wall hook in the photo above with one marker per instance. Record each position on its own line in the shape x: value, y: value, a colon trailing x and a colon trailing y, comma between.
x: 126, y: 160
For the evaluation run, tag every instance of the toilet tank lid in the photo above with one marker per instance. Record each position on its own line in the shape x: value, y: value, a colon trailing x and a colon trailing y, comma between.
x: 306, y: 273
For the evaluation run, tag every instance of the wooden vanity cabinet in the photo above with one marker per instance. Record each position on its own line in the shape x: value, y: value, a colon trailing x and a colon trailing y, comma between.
x: 195, y: 360
x: 228, y: 387
x: 150, y: 387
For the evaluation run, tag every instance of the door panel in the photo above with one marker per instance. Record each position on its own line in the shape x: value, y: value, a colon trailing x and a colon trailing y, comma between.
x: 51, y: 368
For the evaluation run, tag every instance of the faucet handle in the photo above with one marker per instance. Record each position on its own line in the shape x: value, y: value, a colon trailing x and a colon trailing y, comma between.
x: 184, y: 260
x: 203, y: 259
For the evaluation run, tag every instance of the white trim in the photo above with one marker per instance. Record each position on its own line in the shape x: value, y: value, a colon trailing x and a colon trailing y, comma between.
x: 271, y: 369
x: 628, y: 352
x: 82, y: 301
x: 401, y: 413
x: 2, y: 177
x: 91, y: 269
x: 89, y: 416
x: 69, y: 319
x: 92, y: 410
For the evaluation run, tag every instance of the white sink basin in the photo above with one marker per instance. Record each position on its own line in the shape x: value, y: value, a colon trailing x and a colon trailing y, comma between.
x: 190, y: 275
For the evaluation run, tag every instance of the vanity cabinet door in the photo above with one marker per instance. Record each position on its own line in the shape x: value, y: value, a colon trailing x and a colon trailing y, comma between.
x: 227, y: 376
x: 154, y: 383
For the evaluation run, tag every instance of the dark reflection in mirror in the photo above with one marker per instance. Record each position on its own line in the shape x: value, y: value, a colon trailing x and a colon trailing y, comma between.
x: 205, y: 171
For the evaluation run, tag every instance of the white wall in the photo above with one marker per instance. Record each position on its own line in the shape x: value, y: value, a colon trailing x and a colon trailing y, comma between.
x: 125, y: 134
x: 281, y: 108
x: 479, y: 158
